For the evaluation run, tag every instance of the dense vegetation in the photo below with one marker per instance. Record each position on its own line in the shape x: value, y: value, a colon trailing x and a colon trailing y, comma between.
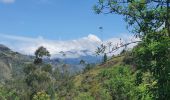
x: 139, y: 74
x: 114, y: 80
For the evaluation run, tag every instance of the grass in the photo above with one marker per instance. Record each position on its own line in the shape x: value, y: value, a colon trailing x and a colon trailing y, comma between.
x: 92, y: 74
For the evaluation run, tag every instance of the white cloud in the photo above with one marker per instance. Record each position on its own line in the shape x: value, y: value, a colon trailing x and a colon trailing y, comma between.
x: 7, y: 1
x: 121, y: 40
x: 28, y: 45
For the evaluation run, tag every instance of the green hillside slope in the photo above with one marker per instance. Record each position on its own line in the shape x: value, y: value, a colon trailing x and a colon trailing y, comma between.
x: 111, y: 81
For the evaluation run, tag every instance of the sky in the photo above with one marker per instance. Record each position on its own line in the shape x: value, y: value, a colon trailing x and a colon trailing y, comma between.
x: 59, y: 25
x: 57, y: 19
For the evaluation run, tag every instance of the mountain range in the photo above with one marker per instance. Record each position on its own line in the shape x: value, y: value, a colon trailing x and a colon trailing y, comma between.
x: 12, y: 63
x: 73, y: 48
x: 69, y: 52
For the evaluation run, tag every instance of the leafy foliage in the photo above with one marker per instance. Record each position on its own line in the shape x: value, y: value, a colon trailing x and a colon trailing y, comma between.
x: 84, y: 96
x: 149, y: 21
x: 119, y: 82
x: 141, y: 15
x: 153, y: 56
x: 39, y: 53
x: 41, y: 96
x: 7, y: 94
x: 146, y: 77
x: 105, y: 58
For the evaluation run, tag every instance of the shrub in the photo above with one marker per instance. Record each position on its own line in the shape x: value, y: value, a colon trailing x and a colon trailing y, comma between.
x: 84, y: 96
x: 120, y: 82
x: 6, y: 94
x: 41, y: 96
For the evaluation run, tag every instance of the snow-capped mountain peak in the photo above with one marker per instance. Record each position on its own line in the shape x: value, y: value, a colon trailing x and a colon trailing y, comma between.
x: 73, y: 48
x: 92, y: 37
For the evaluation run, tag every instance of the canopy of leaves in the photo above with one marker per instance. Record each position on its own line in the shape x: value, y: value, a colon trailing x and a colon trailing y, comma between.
x: 40, y: 53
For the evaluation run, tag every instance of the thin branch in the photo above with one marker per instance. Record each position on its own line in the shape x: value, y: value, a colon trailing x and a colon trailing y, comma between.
x: 124, y: 45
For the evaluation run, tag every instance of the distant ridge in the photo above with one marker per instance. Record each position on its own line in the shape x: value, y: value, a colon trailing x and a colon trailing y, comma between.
x: 11, y: 63
x: 4, y: 48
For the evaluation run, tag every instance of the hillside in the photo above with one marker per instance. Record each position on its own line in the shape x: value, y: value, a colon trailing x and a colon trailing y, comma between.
x: 92, y: 73
x: 89, y: 80
x: 113, y: 80
x: 11, y: 63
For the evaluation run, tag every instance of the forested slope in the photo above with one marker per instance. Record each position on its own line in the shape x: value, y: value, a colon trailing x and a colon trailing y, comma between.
x: 11, y: 63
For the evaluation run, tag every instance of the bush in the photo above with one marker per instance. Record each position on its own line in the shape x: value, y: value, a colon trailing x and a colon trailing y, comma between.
x: 84, y: 96
x: 47, y: 68
x: 6, y: 94
x: 121, y: 84
x: 88, y: 67
x: 41, y: 96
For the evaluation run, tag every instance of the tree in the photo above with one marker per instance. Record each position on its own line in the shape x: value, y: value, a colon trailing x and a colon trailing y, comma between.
x: 149, y: 20
x: 29, y: 68
x: 105, y: 58
x: 82, y: 62
x: 39, y: 78
x: 153, y: 56
x: 39, y: 54
x: 141, y: 14
x: 47, y: 68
